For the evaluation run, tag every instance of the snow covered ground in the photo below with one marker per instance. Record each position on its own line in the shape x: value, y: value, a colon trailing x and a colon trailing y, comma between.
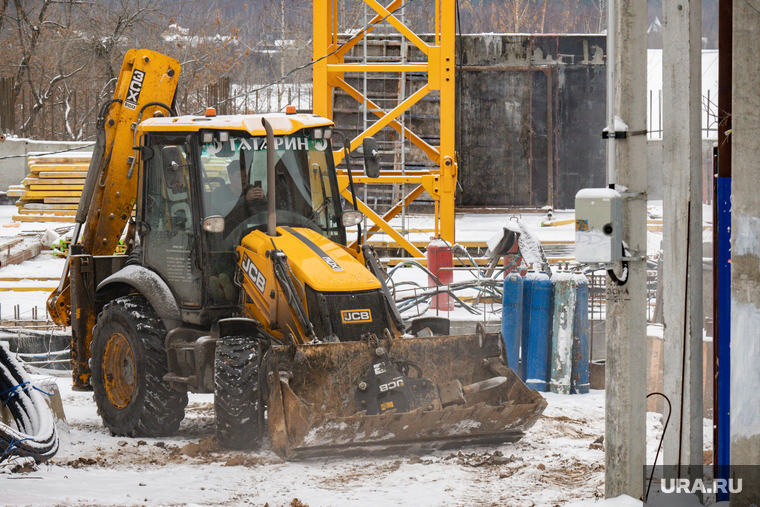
x: 556, y: 462
x: 559, y: 461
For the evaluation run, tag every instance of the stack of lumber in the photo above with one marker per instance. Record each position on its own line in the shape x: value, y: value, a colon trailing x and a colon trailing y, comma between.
x: 52, y: 190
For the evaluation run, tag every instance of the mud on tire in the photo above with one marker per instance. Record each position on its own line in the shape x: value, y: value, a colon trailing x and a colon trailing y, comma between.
x: 128, y: 366
x: 238, y: 400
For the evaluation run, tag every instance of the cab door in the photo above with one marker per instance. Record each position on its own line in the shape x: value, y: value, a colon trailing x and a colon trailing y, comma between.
x: 169, y: 218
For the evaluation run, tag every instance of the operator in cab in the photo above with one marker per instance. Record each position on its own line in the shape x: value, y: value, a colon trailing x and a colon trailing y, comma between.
x: 237, y: 191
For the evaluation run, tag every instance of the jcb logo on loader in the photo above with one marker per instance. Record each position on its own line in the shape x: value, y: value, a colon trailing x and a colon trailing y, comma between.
x: 355, y: 316
x: 253, y: 273
x: 133, y: 92
x: 393, y: 384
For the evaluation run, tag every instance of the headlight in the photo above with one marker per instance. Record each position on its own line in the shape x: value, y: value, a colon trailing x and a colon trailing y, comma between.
x: 213, y: 224
x: 351, y: 217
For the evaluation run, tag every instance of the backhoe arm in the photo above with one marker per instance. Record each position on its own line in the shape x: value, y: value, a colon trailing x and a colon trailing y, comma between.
x: 110, y: 190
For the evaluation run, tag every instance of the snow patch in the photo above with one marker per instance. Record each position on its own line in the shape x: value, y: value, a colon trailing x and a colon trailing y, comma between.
x: 463, y: 426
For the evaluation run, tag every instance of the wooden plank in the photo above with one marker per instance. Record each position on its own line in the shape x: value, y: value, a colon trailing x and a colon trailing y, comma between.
x: 41, y: 206
x: 10, y: 242
x: 65, y: 200
x: 61, y: 174
x: 61, y: 212
x: 29, y: 194
x: 27, y: 289
x: 25, y: 253
x: 78, y: 159
x: 22, y: 278
x: 557, y: 223
x: 36, y: 167
x: 57, y: 188
x: 43, y: 218
x: 54, y: 181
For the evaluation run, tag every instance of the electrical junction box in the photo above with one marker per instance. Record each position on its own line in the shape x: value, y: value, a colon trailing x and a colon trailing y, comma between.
x: 598, y: 226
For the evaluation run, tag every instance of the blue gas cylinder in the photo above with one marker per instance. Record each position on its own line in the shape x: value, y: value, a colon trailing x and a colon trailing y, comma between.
x: 511, y: 318
x: 581, y: 345
x: 562, y: 332
x: 527, y: 288
x: 537, y: 311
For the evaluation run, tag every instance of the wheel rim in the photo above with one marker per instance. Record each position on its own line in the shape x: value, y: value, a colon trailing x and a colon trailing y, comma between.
x: 119, y: 370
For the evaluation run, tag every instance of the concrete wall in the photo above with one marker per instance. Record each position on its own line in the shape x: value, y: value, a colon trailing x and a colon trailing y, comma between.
x: 14, y: 152
x: 531, y: 109
x: 530, y: 112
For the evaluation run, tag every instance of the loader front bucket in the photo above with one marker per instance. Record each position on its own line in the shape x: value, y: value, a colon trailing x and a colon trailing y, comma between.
x: 345, y: 399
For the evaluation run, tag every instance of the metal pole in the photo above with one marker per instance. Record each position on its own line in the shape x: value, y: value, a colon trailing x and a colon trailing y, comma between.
x: 722, y: 254
x: 271, y: 212
x: 611, y: 92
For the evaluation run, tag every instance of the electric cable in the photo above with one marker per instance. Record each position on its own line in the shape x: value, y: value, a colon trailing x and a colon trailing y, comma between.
x: 622, y: 279
x: 34, y: 434
x: 664, y: 429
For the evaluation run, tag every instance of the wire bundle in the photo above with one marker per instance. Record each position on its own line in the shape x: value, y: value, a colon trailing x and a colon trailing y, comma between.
x: 34, y: 435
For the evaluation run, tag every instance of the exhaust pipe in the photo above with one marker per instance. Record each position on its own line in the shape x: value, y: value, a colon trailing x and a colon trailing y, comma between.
x: 271, y: 213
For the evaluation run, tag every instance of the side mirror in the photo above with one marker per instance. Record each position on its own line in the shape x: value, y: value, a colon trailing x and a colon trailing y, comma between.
x: 351, y: 217
x: 371, y: 157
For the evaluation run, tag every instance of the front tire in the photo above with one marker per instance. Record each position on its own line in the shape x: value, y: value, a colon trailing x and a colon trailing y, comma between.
x: 128, y: 366
x: 238, y: 400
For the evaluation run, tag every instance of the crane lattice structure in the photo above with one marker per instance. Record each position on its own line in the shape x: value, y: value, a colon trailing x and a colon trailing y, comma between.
x: 330, y: 72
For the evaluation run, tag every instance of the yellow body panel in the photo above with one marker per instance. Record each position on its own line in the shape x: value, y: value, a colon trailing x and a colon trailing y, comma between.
x: 309, y: 267
x: 340, y: 271
x: 282, y: 124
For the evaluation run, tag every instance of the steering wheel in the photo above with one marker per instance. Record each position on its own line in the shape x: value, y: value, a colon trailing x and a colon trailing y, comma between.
x: 284, y: 217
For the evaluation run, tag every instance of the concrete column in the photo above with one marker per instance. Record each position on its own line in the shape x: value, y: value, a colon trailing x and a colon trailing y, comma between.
x: 682, y: 229
x: 745, y: 251
x: 625, y: 382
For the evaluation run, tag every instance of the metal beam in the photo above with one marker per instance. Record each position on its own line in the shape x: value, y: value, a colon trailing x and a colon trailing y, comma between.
x: 432, y: 152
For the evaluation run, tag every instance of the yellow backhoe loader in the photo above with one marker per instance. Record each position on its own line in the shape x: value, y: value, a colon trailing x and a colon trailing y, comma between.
x: 238, y: 282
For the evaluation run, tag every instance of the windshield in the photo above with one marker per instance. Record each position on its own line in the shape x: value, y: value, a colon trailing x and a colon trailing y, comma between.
x: 235, y: 183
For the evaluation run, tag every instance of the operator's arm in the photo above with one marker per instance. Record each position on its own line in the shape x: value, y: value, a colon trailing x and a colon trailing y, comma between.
x: 255, y: 193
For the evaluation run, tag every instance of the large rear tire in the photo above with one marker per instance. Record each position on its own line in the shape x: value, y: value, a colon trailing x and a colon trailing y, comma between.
x: 128, y: 366
x: 238, y: 400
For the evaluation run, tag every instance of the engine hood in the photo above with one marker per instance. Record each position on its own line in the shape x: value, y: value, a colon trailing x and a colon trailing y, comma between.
x: 315, y: 260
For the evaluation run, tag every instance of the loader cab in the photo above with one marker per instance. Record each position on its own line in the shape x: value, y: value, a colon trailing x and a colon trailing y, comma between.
x: 234, y: 168
x: 201, y: 194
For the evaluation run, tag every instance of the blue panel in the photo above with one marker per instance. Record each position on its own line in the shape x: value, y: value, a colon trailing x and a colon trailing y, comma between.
x: 511, y: 318
x: 562, y: 332
x: 537, y: 340
x: 723, y: 331
x: 581, y: 350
